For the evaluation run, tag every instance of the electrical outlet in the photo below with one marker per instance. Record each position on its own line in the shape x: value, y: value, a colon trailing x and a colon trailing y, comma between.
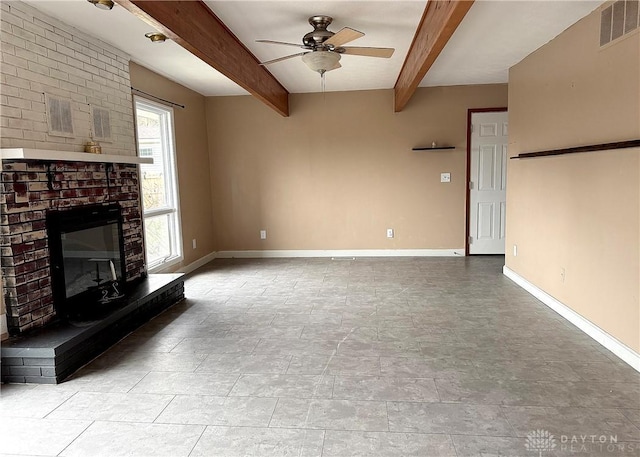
x: 193, y: 243
x: 515, y: 250
x: 389, y: 233
x: 263, y: 234
x: 445, y: 177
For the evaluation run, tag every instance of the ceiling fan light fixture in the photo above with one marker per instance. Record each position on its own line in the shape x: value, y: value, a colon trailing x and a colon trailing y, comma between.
x: 102, y: 4
x: 322, y: 61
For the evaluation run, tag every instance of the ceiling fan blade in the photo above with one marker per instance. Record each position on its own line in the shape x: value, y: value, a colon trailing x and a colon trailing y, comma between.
x: 283, y: 43
x: 280, y: 59
x: 369, y: 52
x: 344, y: 36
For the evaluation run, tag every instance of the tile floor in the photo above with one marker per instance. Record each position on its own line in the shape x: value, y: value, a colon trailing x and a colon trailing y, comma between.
x: 317, y: 357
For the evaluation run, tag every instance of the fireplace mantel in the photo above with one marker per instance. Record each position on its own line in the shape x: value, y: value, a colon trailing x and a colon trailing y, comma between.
x: 66, y: 156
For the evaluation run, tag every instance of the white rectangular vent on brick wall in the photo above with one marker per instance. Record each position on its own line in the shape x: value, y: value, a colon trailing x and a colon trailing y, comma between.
x: 101, y: 126
x: 59, y: 116
x: 618, y: 19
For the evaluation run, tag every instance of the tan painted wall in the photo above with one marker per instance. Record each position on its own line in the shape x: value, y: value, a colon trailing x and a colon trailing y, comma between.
x: 578, y: 212
x: 340, y: 171
x: 192, y: 159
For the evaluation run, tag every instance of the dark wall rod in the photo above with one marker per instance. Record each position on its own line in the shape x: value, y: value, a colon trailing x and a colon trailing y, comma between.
x: 168, y: 102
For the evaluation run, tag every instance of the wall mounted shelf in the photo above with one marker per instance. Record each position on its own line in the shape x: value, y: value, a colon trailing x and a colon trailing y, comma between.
x: 66, y: 156
x: 579, y: 149
x: 429, y: 148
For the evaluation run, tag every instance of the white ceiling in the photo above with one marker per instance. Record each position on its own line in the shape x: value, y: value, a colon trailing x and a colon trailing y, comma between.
x: 386, y: 24
x: 493, y: 36
x: 125, y: 31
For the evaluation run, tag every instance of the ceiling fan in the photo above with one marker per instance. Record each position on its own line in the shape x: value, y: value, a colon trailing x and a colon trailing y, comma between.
x: 324, y: 48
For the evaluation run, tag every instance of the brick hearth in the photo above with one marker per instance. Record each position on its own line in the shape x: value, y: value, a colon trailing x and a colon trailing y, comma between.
x: 30, y: 188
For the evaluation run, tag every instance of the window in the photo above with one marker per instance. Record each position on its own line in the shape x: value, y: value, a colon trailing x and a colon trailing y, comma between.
x: 163, y: 241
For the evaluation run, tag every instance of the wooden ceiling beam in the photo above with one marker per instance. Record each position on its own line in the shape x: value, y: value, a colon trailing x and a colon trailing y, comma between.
x: 440, y: 19
x: 196, y: 28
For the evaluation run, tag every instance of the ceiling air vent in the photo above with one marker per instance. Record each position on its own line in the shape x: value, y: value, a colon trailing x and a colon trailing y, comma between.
x: 618, y: 19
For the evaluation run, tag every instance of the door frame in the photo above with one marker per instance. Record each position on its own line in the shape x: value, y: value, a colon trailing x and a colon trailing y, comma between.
x: 470, y: 112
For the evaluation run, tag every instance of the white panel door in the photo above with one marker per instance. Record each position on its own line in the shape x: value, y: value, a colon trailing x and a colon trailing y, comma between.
x: 488, y: 184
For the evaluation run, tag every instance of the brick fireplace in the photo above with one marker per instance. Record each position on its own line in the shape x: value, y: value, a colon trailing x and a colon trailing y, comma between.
x: 44, y: 57
x: 43, y: 169
x: 29, y: 188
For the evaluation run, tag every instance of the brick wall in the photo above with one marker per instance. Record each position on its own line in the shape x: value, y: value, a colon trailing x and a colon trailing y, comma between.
x: 41, y: 55
x: 25, y: 197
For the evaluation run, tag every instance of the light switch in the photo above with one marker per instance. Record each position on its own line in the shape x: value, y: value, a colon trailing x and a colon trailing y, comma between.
x: 445, y: 177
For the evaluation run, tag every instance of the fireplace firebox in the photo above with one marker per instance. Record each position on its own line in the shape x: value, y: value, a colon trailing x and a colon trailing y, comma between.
x: 88, y: 268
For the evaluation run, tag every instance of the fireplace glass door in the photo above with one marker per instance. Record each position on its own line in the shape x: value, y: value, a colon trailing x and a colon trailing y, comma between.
x: 87, y: 259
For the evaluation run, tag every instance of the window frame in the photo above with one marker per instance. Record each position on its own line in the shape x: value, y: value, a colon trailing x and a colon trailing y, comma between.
x: 172, y: 186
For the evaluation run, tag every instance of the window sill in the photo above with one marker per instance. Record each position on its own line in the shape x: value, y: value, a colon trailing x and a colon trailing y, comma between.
x: 163, y: 267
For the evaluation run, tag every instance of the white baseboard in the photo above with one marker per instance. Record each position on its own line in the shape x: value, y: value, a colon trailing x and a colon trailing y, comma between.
x: 618, y: 348
x: 340, y: 253
x: 286, y: 253
x: 198, y: 263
